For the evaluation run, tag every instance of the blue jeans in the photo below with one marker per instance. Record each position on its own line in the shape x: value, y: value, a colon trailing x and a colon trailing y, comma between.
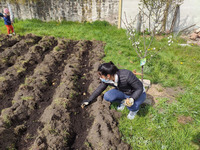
x: 115, y: 95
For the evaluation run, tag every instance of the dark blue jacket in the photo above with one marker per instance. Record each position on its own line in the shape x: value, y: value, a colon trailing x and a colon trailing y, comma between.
x: 7, y: 20
x: 1, y: 15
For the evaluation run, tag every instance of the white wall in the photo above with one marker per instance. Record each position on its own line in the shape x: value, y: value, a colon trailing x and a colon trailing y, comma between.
x: 70, y: 10
x: 130, y: 7
x: 189, y: 12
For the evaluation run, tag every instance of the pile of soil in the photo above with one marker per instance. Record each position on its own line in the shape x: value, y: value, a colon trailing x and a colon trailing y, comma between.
x: 43, y: 81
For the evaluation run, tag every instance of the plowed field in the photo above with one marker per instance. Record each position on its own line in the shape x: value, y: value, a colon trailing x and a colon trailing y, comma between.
x: 43, y: 81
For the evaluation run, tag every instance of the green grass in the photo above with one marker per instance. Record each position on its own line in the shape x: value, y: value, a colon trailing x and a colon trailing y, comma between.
x: 174, y: 66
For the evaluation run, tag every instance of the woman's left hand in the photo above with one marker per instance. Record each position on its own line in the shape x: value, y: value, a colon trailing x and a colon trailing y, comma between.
x: 128, y: 102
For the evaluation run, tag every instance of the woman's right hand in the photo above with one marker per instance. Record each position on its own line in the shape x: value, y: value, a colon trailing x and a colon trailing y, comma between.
x: 84, y: 103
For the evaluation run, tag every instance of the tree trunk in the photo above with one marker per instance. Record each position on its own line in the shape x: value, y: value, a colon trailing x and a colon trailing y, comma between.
x: 142, y: 73
x: 139, y: 22
x: 165, y: 16
x: 174, y: 18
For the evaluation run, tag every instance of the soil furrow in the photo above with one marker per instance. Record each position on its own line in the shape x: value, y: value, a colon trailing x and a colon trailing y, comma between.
x: 58, y: 131
x: 103, y: 133
x: 80, y: 119
x: 59, y: 57
x: 15, y: 75
x: 10, y: 55
x: 7, y: 41
x: 94, y: 56
x: 37, y: 93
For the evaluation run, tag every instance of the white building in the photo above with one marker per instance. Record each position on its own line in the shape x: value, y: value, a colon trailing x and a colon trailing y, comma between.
x: 188, y: 14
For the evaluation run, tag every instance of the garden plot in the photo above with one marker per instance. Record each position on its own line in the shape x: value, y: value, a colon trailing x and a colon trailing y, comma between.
x: 43, y: 81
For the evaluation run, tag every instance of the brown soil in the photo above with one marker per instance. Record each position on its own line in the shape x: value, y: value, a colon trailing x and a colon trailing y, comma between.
x: 10, y: 54
x: 156, y: 91
x: 184, y: 119
x: 189, y: 41
x: 7, y: 41
x: 43, y: 81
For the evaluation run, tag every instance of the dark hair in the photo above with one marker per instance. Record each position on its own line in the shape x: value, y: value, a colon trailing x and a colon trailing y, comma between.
x: 107, y: 68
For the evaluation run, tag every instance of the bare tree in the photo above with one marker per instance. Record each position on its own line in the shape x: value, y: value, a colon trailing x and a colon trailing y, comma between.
x: 159, y: 11
x: 142, y: 41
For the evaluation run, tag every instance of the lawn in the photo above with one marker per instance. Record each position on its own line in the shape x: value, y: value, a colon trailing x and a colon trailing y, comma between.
x: 174, y: 66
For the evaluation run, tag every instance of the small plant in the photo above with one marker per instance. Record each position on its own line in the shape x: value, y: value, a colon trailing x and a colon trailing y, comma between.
x: 87, y: 144
x: 57, y: 49
x: 61, y: 101
x: 4, y: 60
x: 20, y: 69
x: 2, y: 79
x: 29, y: 41
x: 71, y: 95
x: 27, y: 98
x: 6, y: 121
x: 44, y: 81
x: 28, y: 81
x: 75, y: 78
x: 11, y: 147
x: 28, y: 137
x: 23, y: 62
x: 66, y: 132
x: 19, y: 128
x: 53, y: 131
x: 90, y: 90
x: 32, y: 106
x: 83, y: 77
x: 13, y: 102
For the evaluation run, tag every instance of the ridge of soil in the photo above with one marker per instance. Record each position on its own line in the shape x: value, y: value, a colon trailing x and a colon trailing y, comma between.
x: 15, y: 75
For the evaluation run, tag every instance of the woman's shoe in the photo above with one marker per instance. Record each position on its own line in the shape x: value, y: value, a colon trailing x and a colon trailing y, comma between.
x: 121, y: 107
x: 132, y: 114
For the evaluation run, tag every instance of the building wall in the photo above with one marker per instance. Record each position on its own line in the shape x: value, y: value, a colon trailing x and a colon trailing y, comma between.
x: 190, y: 13
x: 130, y: 10
x: 187, y: 16
x: 70, y: 10
x: 91, y: 10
